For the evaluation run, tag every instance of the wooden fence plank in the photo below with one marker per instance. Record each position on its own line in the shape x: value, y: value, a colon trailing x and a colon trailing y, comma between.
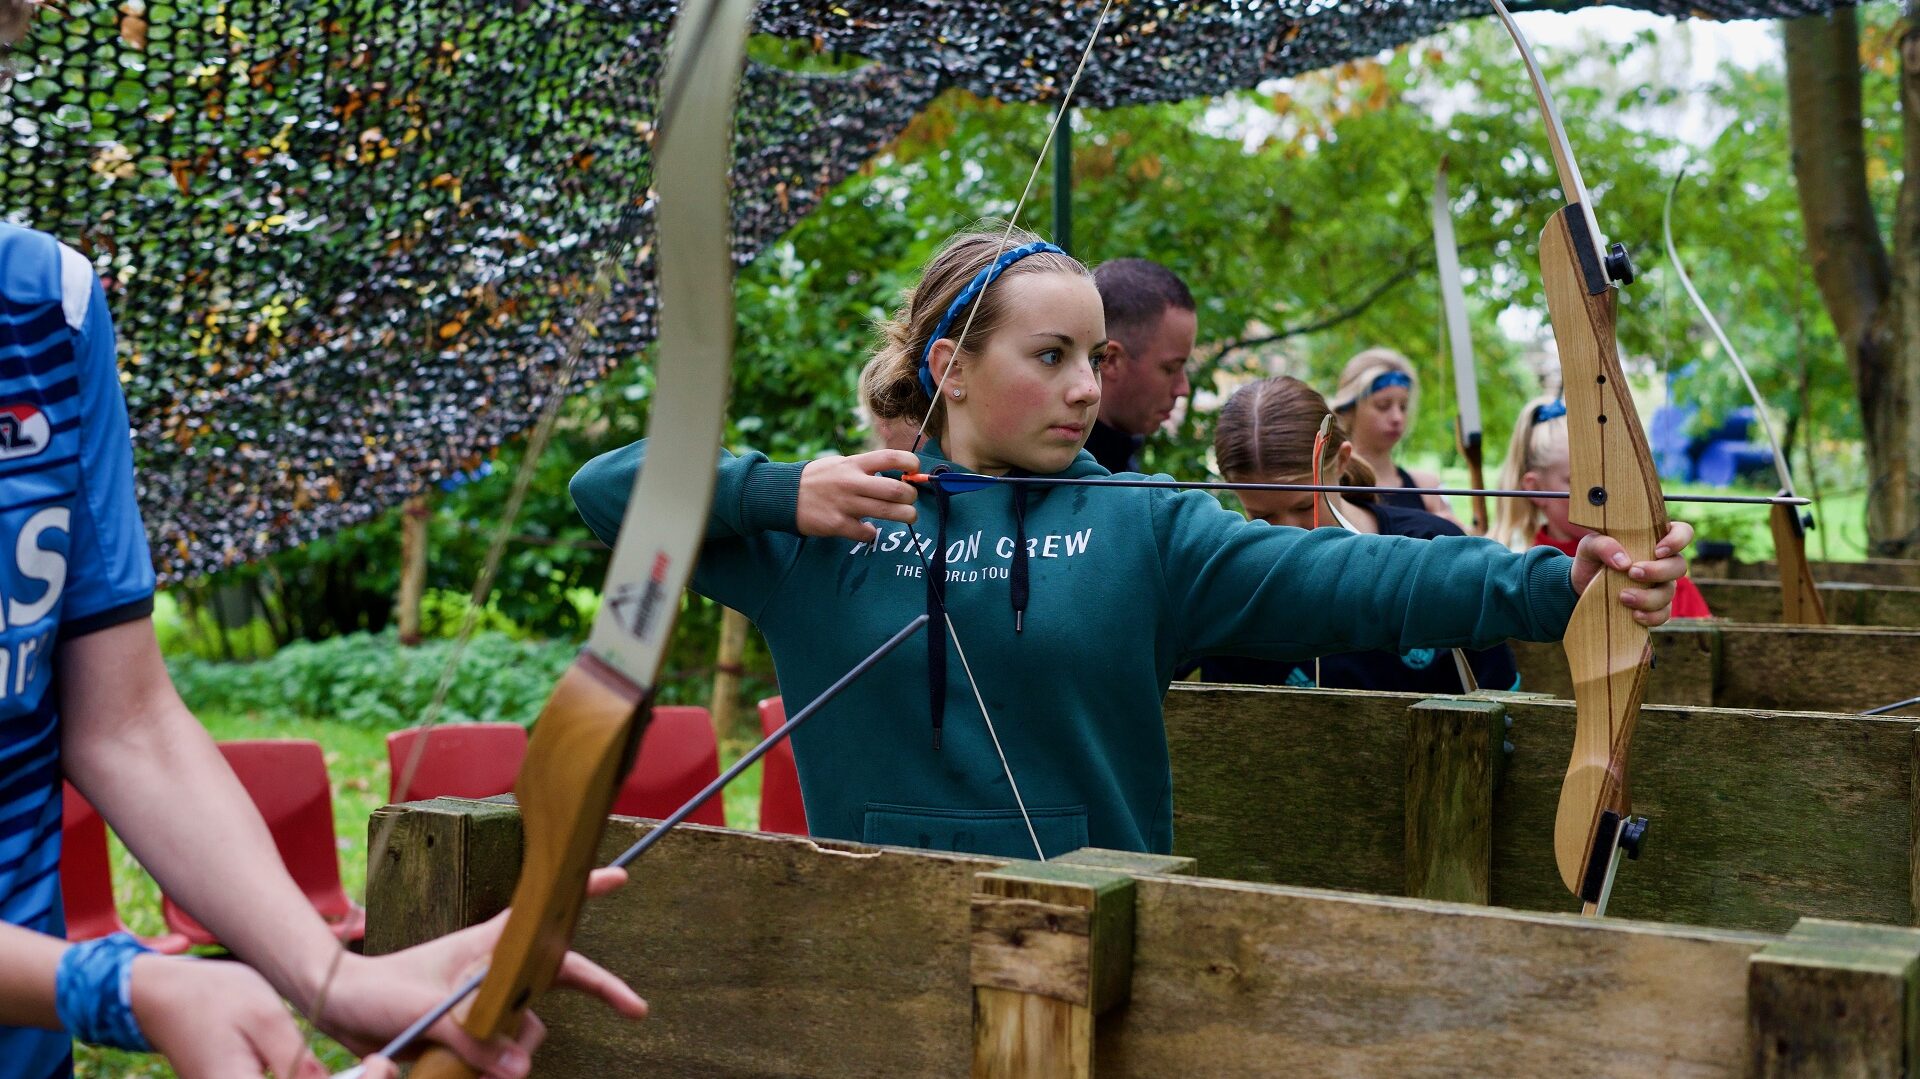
x: 1806, y: 668
x: 773, y: 956
x: 1847, y: 604
x: 1758, y: 819
x: 1234, y: 980
x: 1876, y: 571
x: 767, y: 957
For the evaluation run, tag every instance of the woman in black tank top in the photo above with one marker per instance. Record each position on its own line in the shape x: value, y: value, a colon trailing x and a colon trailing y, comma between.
x: 1375, y: 405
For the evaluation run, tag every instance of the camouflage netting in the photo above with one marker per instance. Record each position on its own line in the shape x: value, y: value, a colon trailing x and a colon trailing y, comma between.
x: 344, y: 239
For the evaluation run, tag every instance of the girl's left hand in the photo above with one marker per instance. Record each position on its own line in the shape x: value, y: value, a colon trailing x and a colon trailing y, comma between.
x: 1651, y: 602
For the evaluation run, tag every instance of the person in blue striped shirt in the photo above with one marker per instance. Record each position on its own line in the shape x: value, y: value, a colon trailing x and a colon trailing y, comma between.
x: 85, y: 696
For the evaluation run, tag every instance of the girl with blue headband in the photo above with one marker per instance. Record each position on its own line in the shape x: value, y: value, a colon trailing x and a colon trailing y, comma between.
x: 1538, y: 460
x: 1375, y: 401
x: 1030, y: 723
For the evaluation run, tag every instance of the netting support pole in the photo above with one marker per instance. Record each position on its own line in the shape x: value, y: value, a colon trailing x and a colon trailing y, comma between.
x: 1063, y: 184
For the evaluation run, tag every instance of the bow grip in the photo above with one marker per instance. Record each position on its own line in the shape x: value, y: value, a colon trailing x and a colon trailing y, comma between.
x: 582, y: 745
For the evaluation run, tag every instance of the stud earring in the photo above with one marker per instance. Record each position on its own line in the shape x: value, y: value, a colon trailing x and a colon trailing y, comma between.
x: 958, y: 394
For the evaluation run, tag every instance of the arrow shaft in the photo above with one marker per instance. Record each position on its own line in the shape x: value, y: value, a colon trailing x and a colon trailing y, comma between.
x: 968, y: 481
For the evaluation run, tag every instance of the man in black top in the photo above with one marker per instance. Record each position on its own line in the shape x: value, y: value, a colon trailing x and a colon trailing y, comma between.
x: 1151, y: 327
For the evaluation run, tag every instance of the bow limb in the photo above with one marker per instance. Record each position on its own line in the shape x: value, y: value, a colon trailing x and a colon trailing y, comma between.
x: 1800, y: 600
x: 1616, y: 492
x: 585, y: 737
x: 1466, y: 379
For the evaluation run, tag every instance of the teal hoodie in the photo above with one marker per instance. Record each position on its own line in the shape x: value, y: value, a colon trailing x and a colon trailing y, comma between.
x: 1124, y: 586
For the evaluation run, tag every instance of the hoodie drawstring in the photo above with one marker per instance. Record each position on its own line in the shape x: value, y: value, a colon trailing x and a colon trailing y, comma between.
x: 1017, y: 575
x: 937, y: 596
x: 937, y: 618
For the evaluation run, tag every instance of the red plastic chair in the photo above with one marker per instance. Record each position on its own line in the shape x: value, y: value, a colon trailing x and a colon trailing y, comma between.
x: 86, y: 878
x: 461, y: 760
x: 780, y: 807
x: 287, y: 780
x: 678, y: 755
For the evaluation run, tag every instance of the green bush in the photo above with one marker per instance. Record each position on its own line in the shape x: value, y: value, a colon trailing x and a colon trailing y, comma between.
x: 369, y: 680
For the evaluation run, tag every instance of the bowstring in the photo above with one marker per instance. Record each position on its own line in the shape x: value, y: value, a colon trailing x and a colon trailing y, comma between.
x: 946, y: 617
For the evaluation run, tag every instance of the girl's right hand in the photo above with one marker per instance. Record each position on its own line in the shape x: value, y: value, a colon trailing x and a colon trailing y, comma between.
x: 837, y: 492
x: 218, y: 1020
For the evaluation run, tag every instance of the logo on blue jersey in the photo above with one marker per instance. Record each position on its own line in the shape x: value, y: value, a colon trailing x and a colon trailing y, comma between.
x: 23, y: 431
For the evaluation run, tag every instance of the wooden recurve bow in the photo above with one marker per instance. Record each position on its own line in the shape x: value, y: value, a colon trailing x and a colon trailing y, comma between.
x: 1466, y: 379
x: 585, y: 737
x: 1616, y: 492
x: 1800, y: 602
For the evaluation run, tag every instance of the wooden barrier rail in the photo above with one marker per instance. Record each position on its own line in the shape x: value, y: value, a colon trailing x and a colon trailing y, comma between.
x: 1758, y: 818
x: 1873, y: 571
x: 1806, y: 668
x: 771, y: 956
x: 1847, y: 603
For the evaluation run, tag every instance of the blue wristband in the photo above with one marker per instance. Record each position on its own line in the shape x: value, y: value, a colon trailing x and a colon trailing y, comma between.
x: 93, y: 992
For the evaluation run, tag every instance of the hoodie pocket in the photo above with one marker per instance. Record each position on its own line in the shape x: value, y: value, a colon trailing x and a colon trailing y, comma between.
x: 996, y: 832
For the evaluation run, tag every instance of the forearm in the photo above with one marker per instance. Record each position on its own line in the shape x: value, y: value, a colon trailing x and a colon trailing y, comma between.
x: 176, y: 804
x: 751, y: 495
x: 27, y: 977
x: 1366, y: 593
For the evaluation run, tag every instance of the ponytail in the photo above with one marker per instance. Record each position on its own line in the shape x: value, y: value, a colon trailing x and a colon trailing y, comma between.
x: 1266, y: 431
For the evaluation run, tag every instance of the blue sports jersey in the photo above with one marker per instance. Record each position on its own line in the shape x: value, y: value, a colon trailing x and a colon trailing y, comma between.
x: 73, y: 559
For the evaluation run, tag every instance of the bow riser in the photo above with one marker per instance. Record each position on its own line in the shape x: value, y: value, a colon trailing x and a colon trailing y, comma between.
x: 582, y: 744
x: 1615, y: 492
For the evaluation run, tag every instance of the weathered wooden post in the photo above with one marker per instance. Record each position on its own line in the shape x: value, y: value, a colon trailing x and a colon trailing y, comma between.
x: 1835, y: 999
x: 447, y: 863
x: 1052, y: 949
x: 1453, y: 760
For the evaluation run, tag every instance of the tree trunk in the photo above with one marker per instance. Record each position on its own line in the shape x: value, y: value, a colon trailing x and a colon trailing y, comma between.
x: 414, y: 517
x: 1894, y: 510
x: 1875, y: 308
x: 727, y: 670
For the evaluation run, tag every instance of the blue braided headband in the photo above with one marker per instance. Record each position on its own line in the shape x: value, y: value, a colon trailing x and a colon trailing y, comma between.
x: 1552, y: 410
x: 1389, y: 378
x: 93, y: 992
x: 967, y: 295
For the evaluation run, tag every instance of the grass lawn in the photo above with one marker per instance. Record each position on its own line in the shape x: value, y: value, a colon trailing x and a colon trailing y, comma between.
x: 357, y: 764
